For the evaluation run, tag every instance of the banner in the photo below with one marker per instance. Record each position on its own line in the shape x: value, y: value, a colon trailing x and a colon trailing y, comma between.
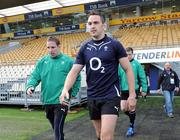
x: 127, y: 2
x: 7, y: 35
x: 44, y: 30
x: 145, y: 19
x: 68, y: 10
x: 38, y: 15
x: 157, y: 55
x: 100, y: 5
x: 24, y: 33
x: 12, y: 19
x: 82, y: 26
x: 107, y: 4
x: 67, y: 28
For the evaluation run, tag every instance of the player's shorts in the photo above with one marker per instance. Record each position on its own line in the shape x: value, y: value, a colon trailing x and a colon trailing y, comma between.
x: 102, y: 107
x: 125, y: 95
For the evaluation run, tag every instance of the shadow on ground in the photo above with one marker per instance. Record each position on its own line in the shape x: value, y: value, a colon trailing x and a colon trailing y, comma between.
x: 151, y: 124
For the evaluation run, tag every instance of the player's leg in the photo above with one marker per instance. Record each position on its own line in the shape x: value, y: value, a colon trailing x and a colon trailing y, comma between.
x: 95, y: 116
x: 168, y: 103
x: 60, y: 113
x: 108, y: 124
x: 130, y: 113
x: 97, y: 126
x: 49, y: 110
x: 109, y: 116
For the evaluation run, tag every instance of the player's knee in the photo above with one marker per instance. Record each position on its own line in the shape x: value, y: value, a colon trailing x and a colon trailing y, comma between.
x: 124, y: 109
x: 132, y: 109
x: 106, y: 136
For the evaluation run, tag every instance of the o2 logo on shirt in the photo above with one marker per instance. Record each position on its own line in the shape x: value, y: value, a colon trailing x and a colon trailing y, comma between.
x: 99, y: 66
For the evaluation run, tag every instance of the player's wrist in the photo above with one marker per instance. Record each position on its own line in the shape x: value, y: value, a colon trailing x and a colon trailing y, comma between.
x: 64, y: 90
x: 132, y: 96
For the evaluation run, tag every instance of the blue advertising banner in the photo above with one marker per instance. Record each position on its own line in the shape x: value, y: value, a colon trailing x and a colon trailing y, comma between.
x: 24, y: 33
x: 99, y: 5
x: 37, y: 15
x: 127, y: 2
x: 107, y: 4
x: 67, y: 28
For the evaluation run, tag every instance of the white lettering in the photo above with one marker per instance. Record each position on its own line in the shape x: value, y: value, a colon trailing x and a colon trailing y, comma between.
x: 97, y: 61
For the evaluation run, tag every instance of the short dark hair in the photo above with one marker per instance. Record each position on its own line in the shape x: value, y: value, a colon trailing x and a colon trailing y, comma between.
x: 98, y: 14
x: 129, y: 49
x: 54, y: 39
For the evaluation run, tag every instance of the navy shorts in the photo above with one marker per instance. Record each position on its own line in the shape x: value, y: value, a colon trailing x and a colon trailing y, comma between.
x: 102, y: 107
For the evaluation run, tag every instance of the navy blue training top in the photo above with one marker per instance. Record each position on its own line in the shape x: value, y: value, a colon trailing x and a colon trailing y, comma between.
x: 101, y: 59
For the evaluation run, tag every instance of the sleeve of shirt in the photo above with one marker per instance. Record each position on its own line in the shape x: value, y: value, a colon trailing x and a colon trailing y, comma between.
x: 35, y: 78
x: 176, y: 80
x: 142, y: 77
x: 160, y: 80
x: 80, y: 57
x: 120, y: 51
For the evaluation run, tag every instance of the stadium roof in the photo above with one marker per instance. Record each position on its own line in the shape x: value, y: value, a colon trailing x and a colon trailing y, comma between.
x: 15, y: 7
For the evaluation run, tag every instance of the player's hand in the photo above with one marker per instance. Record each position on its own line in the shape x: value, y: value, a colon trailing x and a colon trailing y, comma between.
x: 30, y: 91
x: 131, y: 103
x: 143, y: 94
x: 64, y: 97
x: 177, y: 89
x: 159, y: 91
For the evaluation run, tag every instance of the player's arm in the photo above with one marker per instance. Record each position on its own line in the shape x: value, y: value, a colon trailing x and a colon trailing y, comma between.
x: 69, y: 82
x: 176, y: 82
x: 125, y: 64
x: 34, y: 80
x: 131, y: 101
x: 159, y: 83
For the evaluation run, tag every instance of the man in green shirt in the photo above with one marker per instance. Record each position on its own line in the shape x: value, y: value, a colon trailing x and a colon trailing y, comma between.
x: 51, y: 70
x: 140, y: 79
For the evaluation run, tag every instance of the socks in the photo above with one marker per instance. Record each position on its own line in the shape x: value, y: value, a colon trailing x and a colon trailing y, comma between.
x: 127, y: 113
x: 132, y: 116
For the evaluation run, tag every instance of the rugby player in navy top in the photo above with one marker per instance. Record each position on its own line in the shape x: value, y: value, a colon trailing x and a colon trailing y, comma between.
x: 101, y: 56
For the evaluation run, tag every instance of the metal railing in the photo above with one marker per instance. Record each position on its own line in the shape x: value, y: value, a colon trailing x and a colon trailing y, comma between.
x: 12, y: 91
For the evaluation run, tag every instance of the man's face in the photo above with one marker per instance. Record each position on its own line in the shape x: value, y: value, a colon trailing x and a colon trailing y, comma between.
x: 53, y: 48
x: 167, y: 66
x: 95, y: 26
x: 129, y: 55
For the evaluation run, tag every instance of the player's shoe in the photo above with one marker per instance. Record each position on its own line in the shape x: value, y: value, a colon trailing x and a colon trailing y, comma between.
x: 170, y: 115
x: 130, y: 132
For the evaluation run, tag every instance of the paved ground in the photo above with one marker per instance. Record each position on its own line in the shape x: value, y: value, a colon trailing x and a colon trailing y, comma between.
x: 151, y: 124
